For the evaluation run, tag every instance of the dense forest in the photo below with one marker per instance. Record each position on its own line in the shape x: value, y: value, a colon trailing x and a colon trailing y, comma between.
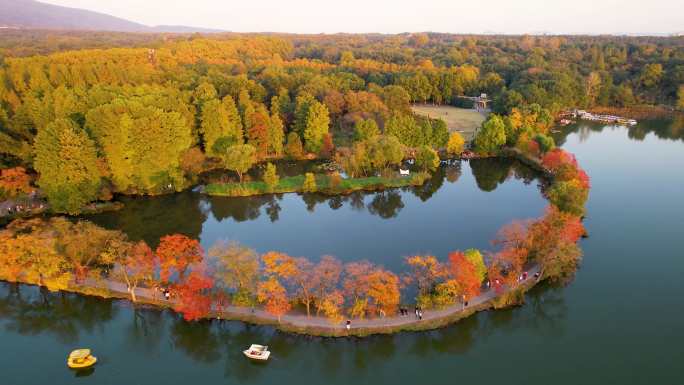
x: 149, y: 116
x: 145, y: 114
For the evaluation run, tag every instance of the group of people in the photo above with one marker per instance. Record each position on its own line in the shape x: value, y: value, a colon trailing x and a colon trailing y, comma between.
x: 418, y: 312
x: 20, y: 208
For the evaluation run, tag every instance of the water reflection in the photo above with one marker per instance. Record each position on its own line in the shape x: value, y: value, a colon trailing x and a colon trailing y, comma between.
x: 149, y: 333
x: 386, y: 204
x: 196, y: 339
x: 146, y: 330
x: 150, y: 218
x: 240, y: 209
x: 29, y: 310
x: 671, y: 129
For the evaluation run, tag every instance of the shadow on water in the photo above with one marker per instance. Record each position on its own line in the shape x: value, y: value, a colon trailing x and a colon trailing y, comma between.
x: 29, y: 310
x: 84, y: 372
x: 150, y: 218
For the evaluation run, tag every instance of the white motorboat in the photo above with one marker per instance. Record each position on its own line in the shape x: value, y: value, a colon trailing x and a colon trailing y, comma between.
x: 257, y: 352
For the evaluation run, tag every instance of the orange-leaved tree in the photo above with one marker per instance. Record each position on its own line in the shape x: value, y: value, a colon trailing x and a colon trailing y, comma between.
x: 175, y: 253
x: 14, y: 181
x: 297, y: 272
x: 553, y: 244
x: 274, y: 297
x: 356, y: 285
x: 14, y: 257
x: 426, y: 271
x: 463, y: 271
x: 331, y: 305
x: 326, y: 276
x: 383, y: 290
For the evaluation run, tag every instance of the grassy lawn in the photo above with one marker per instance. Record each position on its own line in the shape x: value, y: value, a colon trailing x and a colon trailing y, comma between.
x: 463, y: 120
x: 296, y: 183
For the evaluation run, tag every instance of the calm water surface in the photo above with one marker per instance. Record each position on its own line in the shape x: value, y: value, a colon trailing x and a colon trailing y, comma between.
x: 620, y: 321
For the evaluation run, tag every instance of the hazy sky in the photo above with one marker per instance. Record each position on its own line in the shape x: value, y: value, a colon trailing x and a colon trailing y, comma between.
x: 393, y: 16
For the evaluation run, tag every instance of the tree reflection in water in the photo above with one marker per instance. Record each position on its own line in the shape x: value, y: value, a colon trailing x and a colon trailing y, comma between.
x: 150, y: 218
x: 672, y: 129
x: 240, y: 209
x: 29, y: 310
x: 196, y: 339
x: 386, y: 204
x: 430, y: 187
x: 491, y: 172
x: 147, y: 329
x: 186, y: 213
x: 453, y: 172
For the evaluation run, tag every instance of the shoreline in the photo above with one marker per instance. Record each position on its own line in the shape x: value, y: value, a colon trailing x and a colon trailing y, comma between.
x: 345, y: 187
x: 415, y: 179
x: 646, y: 111
x: 491, y: 298
x: 320, y: 326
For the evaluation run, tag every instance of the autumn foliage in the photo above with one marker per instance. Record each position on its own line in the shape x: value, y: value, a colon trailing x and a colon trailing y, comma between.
x: 465, y: 273
x: 274, y: 297
x: 175, y: 253
x: 14, y: 181
x: 61, y: 254
x: 194, y: 301
x: 137, y: 266
x: 570, y: 188
x: 556, y: 158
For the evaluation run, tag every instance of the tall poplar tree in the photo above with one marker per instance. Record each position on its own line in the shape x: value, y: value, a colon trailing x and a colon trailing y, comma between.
x: 276, y: 132
x: 316, y: 128
x: 220, y: 119
x: 66, y: 159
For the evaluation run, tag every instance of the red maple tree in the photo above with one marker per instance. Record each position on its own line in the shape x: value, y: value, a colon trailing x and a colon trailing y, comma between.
x: 194, y: 299
x: 556, y: 158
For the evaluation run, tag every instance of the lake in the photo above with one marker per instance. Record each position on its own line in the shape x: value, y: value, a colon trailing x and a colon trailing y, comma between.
x: 619, y: 321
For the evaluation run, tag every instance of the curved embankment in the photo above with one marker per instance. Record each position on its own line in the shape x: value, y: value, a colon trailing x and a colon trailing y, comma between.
x: 322, y: 326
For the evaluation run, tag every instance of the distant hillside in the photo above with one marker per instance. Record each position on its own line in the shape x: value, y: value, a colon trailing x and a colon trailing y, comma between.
x: 37, y: 15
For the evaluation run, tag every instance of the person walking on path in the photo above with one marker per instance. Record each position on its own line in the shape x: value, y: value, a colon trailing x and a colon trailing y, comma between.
x: 348, y: 326
x: 420, y: 315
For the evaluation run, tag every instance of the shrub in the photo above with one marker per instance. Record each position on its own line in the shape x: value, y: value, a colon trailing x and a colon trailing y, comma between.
x: 546, y: 143
x: 569, y: 196
x: 271, y: 176
x: 294, y: 148
x: 455, y: 144
x: 427, y: 158
x: 335, y: 179
x: 309, y: 182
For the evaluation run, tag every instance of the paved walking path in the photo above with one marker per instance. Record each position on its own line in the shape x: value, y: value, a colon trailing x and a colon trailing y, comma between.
x: 302, y: 321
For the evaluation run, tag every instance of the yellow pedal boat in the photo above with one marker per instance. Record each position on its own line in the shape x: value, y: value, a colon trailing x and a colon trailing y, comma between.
x: 81, y: 359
